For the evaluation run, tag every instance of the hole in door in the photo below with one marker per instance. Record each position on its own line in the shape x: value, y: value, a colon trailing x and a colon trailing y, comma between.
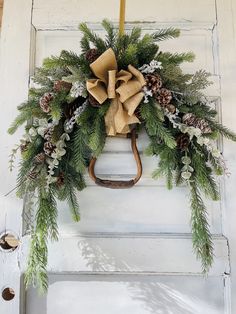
x: 8, y: 241
x: 8, y: 294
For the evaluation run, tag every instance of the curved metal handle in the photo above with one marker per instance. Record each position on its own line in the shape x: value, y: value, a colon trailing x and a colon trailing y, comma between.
x: 118, y: 184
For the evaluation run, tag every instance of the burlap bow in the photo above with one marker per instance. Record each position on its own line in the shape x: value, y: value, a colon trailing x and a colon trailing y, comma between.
x: 123, y: 87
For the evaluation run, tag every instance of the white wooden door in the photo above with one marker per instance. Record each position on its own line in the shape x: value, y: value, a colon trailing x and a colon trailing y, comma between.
x: 131, y: 252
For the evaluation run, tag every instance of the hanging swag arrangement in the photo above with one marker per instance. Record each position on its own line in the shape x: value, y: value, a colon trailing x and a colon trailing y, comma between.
x: 117, y: 86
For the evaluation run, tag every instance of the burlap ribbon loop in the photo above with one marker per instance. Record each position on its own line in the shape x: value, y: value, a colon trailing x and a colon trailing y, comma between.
x: 124, y: 88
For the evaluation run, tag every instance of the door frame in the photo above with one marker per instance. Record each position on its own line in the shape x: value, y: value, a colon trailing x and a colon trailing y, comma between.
x: 16, y: 60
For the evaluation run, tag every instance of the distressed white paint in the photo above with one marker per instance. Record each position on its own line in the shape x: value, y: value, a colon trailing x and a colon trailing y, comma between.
x: 120, y: 232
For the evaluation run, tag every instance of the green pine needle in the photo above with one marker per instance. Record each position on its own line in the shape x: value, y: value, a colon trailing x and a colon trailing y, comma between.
x: 176, y: 58
x: 111, y: 33
x: 201, y: 236
x: 221, y: 129
x: 46, y: 228
x: 154, y: 125
x: 166, y: 33
x: 203, y: 176
x: 93, y: 37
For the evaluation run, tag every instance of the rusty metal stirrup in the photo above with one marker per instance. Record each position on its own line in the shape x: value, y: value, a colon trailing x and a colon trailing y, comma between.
x: 119, y: 184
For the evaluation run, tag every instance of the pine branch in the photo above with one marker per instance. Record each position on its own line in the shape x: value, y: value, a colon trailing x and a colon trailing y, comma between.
x: 66, y: 59
x: 201, y: 237
x: 203, y: 176
x: 98, y: 136
x: 200, y: 110
x: 84, y: 44
x: 167, y: 164
x: 200, y: 80
x: 173, y: 77
x: 213, y: 161
x: 176, y: 58
x: 56, y: 105
x: 46, y: 216
x: 36, y: 273
x: 111, y: 33
x: 93, y: 37
x: 33, y: 149
x: 129, y: 56
x: 167, y: 33
x: 135, y: 35
x: 46, y: 227
x: 74, y: 205
x: 79, y: 150
x: 19, y: 120
x: 25, y: 115
x: 224, y: 131
x: 146, y: 49
x: 154, y: 125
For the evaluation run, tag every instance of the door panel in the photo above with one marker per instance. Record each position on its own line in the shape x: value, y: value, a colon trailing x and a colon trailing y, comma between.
x: 97, y: 294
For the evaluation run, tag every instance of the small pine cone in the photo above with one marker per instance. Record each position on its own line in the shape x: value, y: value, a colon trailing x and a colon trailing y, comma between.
x: 183, y: 141
x: 49, y: 148
x: 60, y: 180
x: 93, y: 102
x: 203, y: 126
x: 44, y: 102
x: 171, y: 108
x: 153, y: 82
x: 91, y: 55
x: 24, y: 147
x: 32, y: 174
x: 61, y: 85
x: 39, y: 158
x: 191, y: 120
x: 164, y: 97
x: 48, y: 134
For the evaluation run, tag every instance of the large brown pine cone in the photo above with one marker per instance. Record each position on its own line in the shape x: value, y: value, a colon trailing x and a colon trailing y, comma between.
x: 44, y: 102
x: 91, y: 55
x: 183, y: 141
x: 164, y: 97
x: 49, y: 148
x: 191, y: 120
x: 61, y: 85
x: 153, y: 82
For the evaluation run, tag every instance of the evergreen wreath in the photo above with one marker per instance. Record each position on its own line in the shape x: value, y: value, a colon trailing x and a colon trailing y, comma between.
x: 66, y: 126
